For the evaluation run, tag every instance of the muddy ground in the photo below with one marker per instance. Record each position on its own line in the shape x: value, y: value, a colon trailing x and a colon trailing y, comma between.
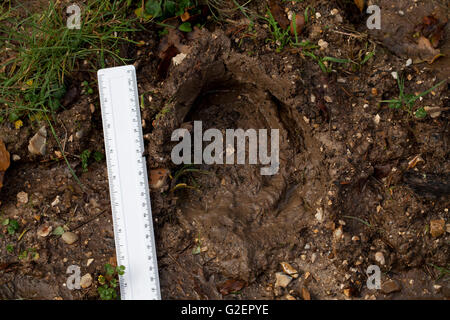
x: 349, y: 188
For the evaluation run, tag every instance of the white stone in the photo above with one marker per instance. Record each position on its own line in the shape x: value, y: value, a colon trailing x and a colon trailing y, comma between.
x: 322, y: 44
x: 22, y: 197
x: 56, y: 201
x: 37, y: 144
x: 69, y: 237
x: 377, y: 119
x: 379, y: 257
x: 86, y: 281
x: 179, y: 58
x: 334, y: 12
x: 319, y: 215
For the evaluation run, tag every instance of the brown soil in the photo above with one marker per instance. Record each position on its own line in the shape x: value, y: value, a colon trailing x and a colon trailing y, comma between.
x: 335, y: 160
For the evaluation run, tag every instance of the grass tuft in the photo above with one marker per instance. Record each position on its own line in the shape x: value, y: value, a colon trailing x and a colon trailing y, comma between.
x: 42, y: 52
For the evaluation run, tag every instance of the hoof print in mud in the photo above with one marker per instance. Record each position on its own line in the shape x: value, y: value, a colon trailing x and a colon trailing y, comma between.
x: 293, y: 152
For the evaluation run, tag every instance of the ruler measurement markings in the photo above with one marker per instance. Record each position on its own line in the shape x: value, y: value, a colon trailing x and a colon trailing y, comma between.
x: 113, y: 104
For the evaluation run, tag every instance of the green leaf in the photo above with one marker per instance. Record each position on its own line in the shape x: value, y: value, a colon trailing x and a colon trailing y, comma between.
x: 113, y: 283
x: 109, y: 269
x: 139, y: 12
x: 337, y: 60
x: 322, y: 66
x: 185, y: 27
x: 84, y: 157
x: 13, y: 117
x: 395, y: 105
x: 420, y: 113
x: 98, y: 156
x: 153, y: 8
x: 14, y: 224
x: 11, y: 230
x: 120, y: 270
x: 5, y: 222
x: 367, y: 57
x: 10, y: 248
x: 58, y: 231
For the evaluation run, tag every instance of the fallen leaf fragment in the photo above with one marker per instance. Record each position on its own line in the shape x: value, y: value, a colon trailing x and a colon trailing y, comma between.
x: 299, y: 25
x: 4, y: 161
x: 415, y: 161
x: 230, y: 286
x: 278, y: 14
x: 360, y: 4
x: 305, y: 294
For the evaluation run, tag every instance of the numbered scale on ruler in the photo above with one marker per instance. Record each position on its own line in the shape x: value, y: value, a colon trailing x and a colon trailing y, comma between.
x: 128, y: 183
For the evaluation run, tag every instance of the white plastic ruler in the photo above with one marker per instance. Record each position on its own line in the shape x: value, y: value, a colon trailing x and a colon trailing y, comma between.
x: 128, y: 183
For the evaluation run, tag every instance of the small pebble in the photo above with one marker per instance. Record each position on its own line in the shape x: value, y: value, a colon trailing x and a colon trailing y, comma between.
x: 338, y: 233
x: 44, y: 230
x: 288, y: 269
x: 56, y: 201
x: 377, y: 119
x: 390, y: 286
x: 319, y: 215
x: 437, y: 227
x: 409, y: 62
x: 178, y: 59
x: 86, y: 281
x: 334, y: 12
x: 282, y: 280
x: 69, y: 237
x: 37, y: 144
x: 379, y: 257
x: 289, y: 297
x: 22, y: 197
x: 322, y: 44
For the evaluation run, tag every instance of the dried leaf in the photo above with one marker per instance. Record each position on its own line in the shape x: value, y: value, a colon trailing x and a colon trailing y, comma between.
x: 158, y: 178
x: 231, y: 286
x: 4, y: 161
x: 360, y: 4
x: 278, y: 14
x: 305, y: 294
x: 185, y: 16
x: 426, y: 51
x: 415, y: 161
x: 299, y: 24
x: 433, y: 29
